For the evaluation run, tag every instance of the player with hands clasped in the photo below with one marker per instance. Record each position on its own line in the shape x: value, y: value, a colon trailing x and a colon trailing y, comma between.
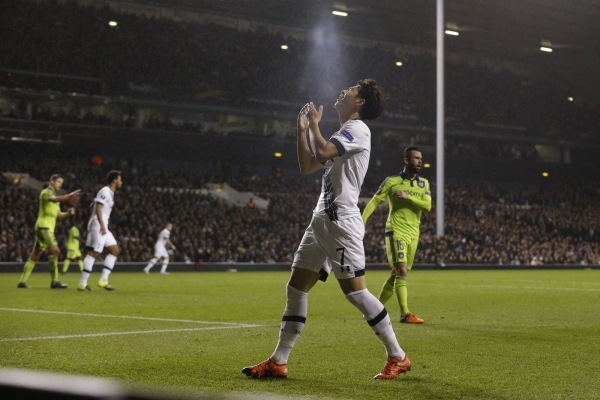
x: 408, y: 195
x: 332, y: 242
x: 160, y: 250
x: 49, y: 212
x: 99, y: 237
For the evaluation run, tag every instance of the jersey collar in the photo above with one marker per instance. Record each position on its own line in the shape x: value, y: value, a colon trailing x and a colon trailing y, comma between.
x: 404, y: 176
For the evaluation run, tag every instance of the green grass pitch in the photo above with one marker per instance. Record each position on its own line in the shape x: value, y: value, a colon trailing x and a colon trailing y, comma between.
x: 487, y: 334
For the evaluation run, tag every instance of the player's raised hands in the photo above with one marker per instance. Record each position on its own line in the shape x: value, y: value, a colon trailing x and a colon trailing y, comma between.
x: 303, y: 118
x: 314, y: 115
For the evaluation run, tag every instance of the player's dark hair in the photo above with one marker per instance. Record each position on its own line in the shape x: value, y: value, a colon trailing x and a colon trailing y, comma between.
x: 55, y: 177
x: 374, y: 98
x: 112, y: 176
x: 408, y: 151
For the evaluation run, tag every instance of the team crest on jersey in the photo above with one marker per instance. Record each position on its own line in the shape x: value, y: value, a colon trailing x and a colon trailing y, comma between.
x: 421, y: 184
x: 347, y: 135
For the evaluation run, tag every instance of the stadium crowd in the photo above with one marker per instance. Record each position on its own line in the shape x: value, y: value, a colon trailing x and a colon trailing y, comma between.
x: 208, y: 60
x: 484, y: 224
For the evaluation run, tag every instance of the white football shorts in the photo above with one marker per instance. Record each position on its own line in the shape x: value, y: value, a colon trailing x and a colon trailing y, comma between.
x: 97, y: 241
x: 160, y: 251
x: 333, y: 245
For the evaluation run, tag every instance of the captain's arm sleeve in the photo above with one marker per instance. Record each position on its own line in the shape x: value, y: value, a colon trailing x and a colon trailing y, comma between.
x: 424, y: 203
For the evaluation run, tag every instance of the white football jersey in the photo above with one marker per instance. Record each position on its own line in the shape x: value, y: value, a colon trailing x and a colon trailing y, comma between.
x: 344, y: 175
x: 106, y: 197
x: 163, y: 236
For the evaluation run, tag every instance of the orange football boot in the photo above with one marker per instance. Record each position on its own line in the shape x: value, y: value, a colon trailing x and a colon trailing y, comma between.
x: 393, y: 367
x: 411, y: 319
x: 266, y: 369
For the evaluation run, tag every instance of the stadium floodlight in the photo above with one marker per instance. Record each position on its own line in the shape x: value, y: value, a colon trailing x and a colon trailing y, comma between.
x: 340, y: 13
x: 545, y: 174
x: 399, y: 63
x: 426, y: 165
x: 570, y: 98
x: 284, y: 47
x: 451, y: 33
x: 277, y: 154
x: 112, y: 23
x: 546, y: 49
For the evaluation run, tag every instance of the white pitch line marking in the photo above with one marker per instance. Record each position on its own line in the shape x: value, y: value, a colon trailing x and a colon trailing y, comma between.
x: 128, y: 317
x: 124, y: 333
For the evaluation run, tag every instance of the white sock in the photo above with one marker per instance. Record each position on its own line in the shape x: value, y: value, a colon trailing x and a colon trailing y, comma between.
x: 377, y: 317
x: 88, y: 264
x: 164, y: 266
x: 292, y: 323
x: 150, y: 265
x: 109, y: 263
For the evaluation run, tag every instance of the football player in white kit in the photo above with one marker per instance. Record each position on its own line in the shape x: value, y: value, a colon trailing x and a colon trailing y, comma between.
x: 333, y: 240
x: 160, y: 250
x: 98, y: 236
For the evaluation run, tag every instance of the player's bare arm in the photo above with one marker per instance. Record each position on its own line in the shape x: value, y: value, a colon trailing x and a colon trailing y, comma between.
x: 62, y: 215
x: 99, y: 216
x: 308, y: 164
x: 65, y: 197
x: 324, y: 150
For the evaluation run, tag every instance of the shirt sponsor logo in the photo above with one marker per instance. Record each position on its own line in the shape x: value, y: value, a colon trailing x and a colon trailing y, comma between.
x: 421, y: 184
x: 411, y: 193
x: 347, y: 135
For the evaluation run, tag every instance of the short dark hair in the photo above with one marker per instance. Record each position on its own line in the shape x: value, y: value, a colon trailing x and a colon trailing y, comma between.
x: 374, y: 98
x: 55, y: 177
x: 112, y: 176
x: 408, y: 151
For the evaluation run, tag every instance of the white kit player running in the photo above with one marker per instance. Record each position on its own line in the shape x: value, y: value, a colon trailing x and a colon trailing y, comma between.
x: 333, y: 240
x: 99, y: 237
x: 160, y: 250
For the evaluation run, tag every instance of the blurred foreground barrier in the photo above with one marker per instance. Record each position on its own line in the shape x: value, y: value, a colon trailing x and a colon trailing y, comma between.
x: 20, y: 384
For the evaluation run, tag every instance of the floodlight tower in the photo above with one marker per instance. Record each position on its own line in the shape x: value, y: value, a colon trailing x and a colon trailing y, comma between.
x: 439, y: 202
